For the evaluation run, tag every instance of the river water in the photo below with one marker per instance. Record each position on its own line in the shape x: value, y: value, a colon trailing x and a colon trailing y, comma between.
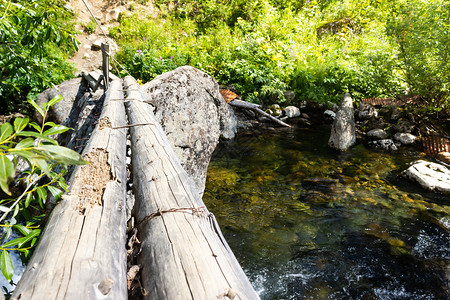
x: 308, y: 223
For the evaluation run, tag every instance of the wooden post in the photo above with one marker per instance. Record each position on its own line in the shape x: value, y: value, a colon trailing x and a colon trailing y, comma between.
x: 184, y: 255
x: 105, y: 64
x: 81, y: 254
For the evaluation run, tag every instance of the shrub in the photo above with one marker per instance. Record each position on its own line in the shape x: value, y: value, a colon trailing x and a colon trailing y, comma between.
x: 47, y: 163
x: 422, y: 32
x: 35, y: 38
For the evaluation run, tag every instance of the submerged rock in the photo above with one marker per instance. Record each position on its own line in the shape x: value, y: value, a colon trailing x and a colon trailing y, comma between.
x: 343, y: 133
x: 193, y: 114
x: 431, y: 176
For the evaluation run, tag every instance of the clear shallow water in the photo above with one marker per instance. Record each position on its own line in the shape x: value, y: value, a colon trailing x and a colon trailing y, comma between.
x: 307, y: 223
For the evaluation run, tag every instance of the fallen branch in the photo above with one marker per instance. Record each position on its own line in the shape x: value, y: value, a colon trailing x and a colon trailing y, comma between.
x: 256, y: 108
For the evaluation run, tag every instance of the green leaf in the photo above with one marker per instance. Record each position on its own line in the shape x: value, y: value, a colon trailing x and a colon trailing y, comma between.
x: 55, y: 99
x: 12, y: 243
x: 42, y: 164
x: 36, y: 107
x: 56, y: 130
x: 63, y: 155
x: 7, y: 171
x: 28, y: 199
x: 37, y: 135
x: 29, y: 237
x: 22, y: 229
x: 16, y: 211
x: 63, y: 185
x: 42, y: 194
x: 20, y: 124
x: 6, y: 265
x: 55, y: 192
x: 35, y: 126
x: 6, y: 130
x: 25, y: 143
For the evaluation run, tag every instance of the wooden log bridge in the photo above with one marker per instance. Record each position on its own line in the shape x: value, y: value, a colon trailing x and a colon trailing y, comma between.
x: 82, y: 254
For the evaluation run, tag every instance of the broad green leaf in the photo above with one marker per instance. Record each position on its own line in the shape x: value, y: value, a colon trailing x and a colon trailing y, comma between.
x: 4, y: 208
x: 6, y: 265
x: 51, y: 124
x: 56, y: 130
x: 12, y: 243
x: 42, y: 164
x: 37, y: 135
x: 28, y: 199
x: 55, y: 99
x: 36, y: 106
x: 42, y: 193
x: 63, y: 155
x: 16, y: 211
x: 63, y: 185
x: 29, y: 237
x: 20, y: 124
x: 6, y: 130
x: 55, y: 192
x: 23, y: 230
x: 36, y: 126
x: 7, y: 171
x: 25, y: 143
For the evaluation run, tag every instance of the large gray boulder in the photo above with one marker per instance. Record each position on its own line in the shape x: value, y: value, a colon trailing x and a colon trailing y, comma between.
x: 431, y: 176
x: 193, y: 114
x: 343, y: 134
x: 70, y: 90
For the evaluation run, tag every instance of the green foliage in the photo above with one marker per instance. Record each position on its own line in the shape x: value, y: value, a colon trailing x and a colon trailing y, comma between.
x: 35, y: 39
x: 422, y: 31
x: 319, y: 49
x: 47, y: 163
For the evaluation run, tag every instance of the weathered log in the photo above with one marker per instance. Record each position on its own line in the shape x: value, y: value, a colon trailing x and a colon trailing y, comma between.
x: 256, y: 108
x: 184, y: 255
x: 81, y: 254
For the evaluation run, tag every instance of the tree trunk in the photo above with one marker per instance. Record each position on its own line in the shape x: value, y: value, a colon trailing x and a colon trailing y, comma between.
x: 184, y: 255
x: 81, y: 254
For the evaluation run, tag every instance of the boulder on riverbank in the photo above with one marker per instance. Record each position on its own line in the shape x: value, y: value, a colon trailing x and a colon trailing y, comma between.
x: 70, y: 90
x: 343, y: 133
x: 431, y: 176
x: 193, y: 114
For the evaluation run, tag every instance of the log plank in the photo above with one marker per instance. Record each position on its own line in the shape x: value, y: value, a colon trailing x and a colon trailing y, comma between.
x: 81, y: 253
x: 184, y: 255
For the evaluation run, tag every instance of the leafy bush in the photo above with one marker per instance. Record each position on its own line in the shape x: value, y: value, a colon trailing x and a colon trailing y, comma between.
x: 265, y: 47
x: 47, y: 162
x: 422, y: 32
x: 35, y: 38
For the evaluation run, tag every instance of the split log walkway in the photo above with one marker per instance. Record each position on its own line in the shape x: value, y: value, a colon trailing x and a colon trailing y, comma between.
x: 82, y: 255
